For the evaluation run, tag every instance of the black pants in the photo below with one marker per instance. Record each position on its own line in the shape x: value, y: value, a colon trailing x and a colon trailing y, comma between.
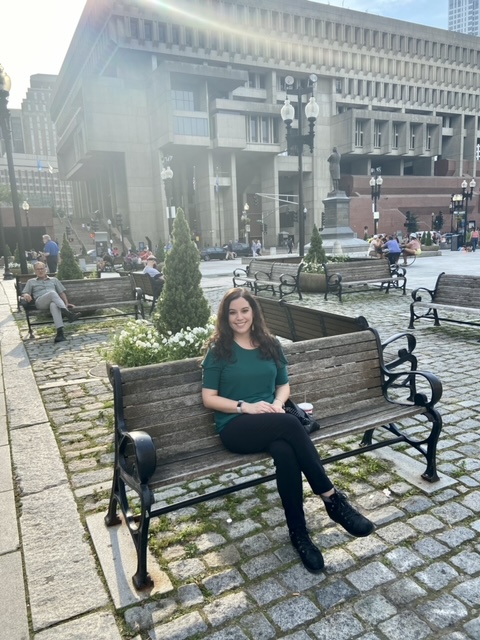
x: 52, y: 263
x: 286, y: 440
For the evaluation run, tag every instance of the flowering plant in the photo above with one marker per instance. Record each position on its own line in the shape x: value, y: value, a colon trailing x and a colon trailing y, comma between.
x: 313, y: 267
x: 138, y: 343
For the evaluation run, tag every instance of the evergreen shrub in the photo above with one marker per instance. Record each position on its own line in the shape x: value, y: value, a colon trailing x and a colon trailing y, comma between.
x: 68, y: 268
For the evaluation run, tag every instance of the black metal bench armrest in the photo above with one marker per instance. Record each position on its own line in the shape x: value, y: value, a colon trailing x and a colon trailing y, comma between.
x: 419, y: 399
x: 336, y: 277
x: 27, y: 306
x: 418, y: 298
x: 240, y: 272
x: 288, y: 279
x: 139, y: 295
x: 137, y: 455
x: 403, y: 354
x: 262, y: 275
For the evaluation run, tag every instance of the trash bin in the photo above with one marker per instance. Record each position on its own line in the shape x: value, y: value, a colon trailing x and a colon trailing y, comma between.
x: 456, y: 242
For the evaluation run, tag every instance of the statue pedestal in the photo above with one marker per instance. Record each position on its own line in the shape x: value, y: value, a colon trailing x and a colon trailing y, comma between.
x: 336, y: 226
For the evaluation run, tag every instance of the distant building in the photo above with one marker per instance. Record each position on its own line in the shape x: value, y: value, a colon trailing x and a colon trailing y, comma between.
x: 34, y: 146
x: 200, y: 87
x: 463, y: 16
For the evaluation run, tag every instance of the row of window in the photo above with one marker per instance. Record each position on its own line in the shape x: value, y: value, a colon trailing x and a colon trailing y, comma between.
x: 226, y: 12
x: 380, y: 129
x: 353, y: 87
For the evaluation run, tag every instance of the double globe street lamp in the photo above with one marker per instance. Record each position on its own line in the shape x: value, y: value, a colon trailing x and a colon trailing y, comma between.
x: 376, y: 182
x: 459, y: 204
x: 296, y: 141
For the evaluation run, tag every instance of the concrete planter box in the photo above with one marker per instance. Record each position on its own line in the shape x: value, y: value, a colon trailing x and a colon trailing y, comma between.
x: 312, y: 282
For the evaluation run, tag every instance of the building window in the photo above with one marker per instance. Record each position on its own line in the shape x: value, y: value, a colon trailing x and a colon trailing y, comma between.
x: 185, y: 126
x: 412, y: 136
x: 134, y: 28
x: 183, y: 100
x: 359, y: 133
x: 148, y: 28
x: 262, y: 129
x: 428, y: 144
x: 175, y: 34
x: 377, y: 135
x: 395, y: 135
x: 162, y: 32
x: 256, y: 80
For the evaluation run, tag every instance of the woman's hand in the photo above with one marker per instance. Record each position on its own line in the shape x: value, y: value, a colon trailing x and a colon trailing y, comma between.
x: 261, y: 407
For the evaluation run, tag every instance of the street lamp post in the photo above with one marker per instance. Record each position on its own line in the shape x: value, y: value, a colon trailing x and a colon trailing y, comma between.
x: 167, y: 176
x: 246, y: 220
x: 459, y: 204
x: 376, y: 182
x: 467, y: 195
x: 26, y: 208
x: 296, y: 141
x: 5, y: 85
x: 119, y: 225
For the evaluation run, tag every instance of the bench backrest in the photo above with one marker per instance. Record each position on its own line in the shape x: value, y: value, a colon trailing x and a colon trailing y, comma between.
x: 165, y: 399
x: 280, y: 269
x: 458, y: 290
x: 89, y: 291
x: 144, y: 282
x: 259, y: 265
x: 293, y: 322
x: 356, y: 270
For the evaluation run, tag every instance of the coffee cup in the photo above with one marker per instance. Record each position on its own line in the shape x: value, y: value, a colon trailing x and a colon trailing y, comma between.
x: 306, y: 406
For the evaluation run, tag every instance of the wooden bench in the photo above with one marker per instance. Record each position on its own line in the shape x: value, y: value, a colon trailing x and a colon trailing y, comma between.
x: 91, y: 295
x: 245, y: 277
x: 293, y: 322
x: 457, y: 293
x: 145, y: 284
x: 283, y: 277
x: 165, y: 436
x: 355, y: 276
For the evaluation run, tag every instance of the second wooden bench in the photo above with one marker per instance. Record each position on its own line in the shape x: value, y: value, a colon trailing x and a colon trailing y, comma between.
x: 357, y: 275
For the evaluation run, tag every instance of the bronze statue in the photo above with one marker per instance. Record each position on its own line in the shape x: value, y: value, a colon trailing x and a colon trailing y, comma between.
x: 334, y: 162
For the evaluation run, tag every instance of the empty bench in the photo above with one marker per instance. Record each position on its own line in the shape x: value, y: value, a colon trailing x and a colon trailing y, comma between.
x: 356, y: 276
x: 454, y: 293
x: 283, y: 277
x: 165, y: 436
x: 145, y: 285
x: 91, y: 295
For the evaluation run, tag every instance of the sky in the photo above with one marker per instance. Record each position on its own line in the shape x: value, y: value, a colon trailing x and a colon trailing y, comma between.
x: 35, y: 34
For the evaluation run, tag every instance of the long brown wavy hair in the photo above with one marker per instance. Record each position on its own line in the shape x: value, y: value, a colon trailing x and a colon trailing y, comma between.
x: 222, y: 338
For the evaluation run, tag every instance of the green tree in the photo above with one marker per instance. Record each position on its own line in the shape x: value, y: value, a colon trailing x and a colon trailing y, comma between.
x: 182, y: 303
x: 5, y: 194
x: 316, y: 252
x: 424, y: 238
x: 69, y: 269
x: 8, y: 251
x: 16, y: 255
x: 428, y: 240
x: 438, y: 223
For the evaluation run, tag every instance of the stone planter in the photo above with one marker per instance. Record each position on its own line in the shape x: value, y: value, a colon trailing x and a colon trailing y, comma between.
x: 312, y: 282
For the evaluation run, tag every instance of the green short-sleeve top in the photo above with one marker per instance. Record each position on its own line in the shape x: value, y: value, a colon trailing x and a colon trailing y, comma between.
x: 247, y: 377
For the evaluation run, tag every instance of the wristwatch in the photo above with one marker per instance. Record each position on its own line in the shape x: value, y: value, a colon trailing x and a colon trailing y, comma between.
x: 239, y: 406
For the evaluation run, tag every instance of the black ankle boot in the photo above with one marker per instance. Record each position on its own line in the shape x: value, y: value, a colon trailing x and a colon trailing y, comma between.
x: 60, y: 336
x: 71, y: 315
x: 309, y: 554
x: 341, y: 511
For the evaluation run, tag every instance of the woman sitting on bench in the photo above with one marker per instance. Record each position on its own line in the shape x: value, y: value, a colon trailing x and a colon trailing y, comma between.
x: 245, y: 382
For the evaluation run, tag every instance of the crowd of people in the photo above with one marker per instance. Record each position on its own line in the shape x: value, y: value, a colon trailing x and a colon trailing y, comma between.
x: 389, y: 247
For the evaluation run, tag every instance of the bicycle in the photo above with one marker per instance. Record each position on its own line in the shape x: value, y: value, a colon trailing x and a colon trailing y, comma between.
x: 408, y: 260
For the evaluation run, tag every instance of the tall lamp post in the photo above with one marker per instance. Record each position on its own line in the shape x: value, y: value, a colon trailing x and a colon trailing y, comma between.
x: 296, y: 141
x: 467, y: 195
x: 167, y: 176
x: 5, y: 85
x: 376, y: 182
x: 246, y: 221
x: 26, y: 208
x: 119, y: 225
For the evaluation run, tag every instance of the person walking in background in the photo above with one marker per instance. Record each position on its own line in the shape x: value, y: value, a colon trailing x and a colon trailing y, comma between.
x: 245, y: 382
x: 50, y: 251
x: 475, y: 235
x: 290, y: 244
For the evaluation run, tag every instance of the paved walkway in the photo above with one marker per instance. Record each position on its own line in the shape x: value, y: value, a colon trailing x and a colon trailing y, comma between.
x: 225, y: 571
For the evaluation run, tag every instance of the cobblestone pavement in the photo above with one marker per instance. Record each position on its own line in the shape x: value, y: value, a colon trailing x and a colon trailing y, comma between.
x: 232, y: 573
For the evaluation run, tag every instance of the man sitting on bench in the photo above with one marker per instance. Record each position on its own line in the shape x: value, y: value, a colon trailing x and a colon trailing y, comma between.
x: 49, y: 293
x: 156, y: 275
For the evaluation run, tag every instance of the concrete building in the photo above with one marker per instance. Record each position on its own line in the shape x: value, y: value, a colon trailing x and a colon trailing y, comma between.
x: 463, y: 16
x: 199, y: 86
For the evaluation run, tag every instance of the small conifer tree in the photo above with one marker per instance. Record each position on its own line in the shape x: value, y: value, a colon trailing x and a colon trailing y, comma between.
x: 8, y: 251
x: 182, y: 303
x: 424, y: 238
x: 316, y: 253
x: 16, y: 255
x: 160, y: 255
x: 69, y: 269
x: 428, y: 240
